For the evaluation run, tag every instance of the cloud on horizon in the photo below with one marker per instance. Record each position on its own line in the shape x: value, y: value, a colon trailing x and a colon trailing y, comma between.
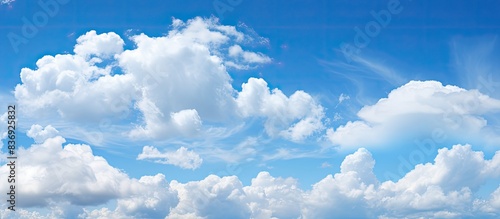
x: 446, y: 188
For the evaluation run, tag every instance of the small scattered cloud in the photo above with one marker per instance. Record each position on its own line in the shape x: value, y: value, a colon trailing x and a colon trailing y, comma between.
x: 343, y: 97
x: 182, y: 157
x: 249, y: 57
x: 337, y: 117
x: 326, y: 165
x: 6, y: 2
x: 40, y: 134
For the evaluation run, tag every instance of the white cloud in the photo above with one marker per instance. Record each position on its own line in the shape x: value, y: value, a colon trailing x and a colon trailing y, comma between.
x: 152, y: 198
x: 182, y: 157
x: 454, y: 168
x: 177, y: 84
x: 70, y: 88
x: 236, y: 51
x: 345, y: 193
x: 295, y: 117
x: 67, y: 180
x: 270, y: 197
x: 337, y: 117
x: 40, y: 134
x: 343, y: 97
x: 102, y: 213
x: 212, y: 197
x: 186, y: 120
x: 380, y: 69
x: 326, y: 165
x: 53, y: 174
x: 416, y: 108
x: 490, y: 206
x: 474, y: 61
x: 354, y: 192
x: 6, y: 2
x: 444, y: 188
x: 181, y: 71
x: 102, y: 45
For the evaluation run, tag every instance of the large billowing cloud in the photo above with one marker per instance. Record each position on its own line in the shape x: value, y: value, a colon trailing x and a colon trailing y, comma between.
x: 71, y: 88
x: 413, y: 109
x: 181, y: 78
x: 445, y: 187
x: 177, y: 84
x: 69, y: 179
x: 54, y: 173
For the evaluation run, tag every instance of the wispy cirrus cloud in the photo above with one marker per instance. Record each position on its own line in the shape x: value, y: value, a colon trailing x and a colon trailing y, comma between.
x: 475, y: 61
x: 365, y: 73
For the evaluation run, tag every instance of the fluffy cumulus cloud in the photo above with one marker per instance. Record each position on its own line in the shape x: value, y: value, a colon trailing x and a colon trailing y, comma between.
x: 295, y: 117
x: 346, y: 194
x: 420, y: 106
x: 69, y: 179
x: 177, y: 84
x: 55, y: 173
x: 181, y: 78
x: 71, y: 88
x: 212, y: 197
x: 445, y: 187
x: 270, y: 197
x: 490, y: 206
x: 102, y: 45
x: 40, y: 134
x: 182, y: 157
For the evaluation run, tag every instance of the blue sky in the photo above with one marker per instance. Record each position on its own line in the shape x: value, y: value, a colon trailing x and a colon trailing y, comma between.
x: 389, y: 107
